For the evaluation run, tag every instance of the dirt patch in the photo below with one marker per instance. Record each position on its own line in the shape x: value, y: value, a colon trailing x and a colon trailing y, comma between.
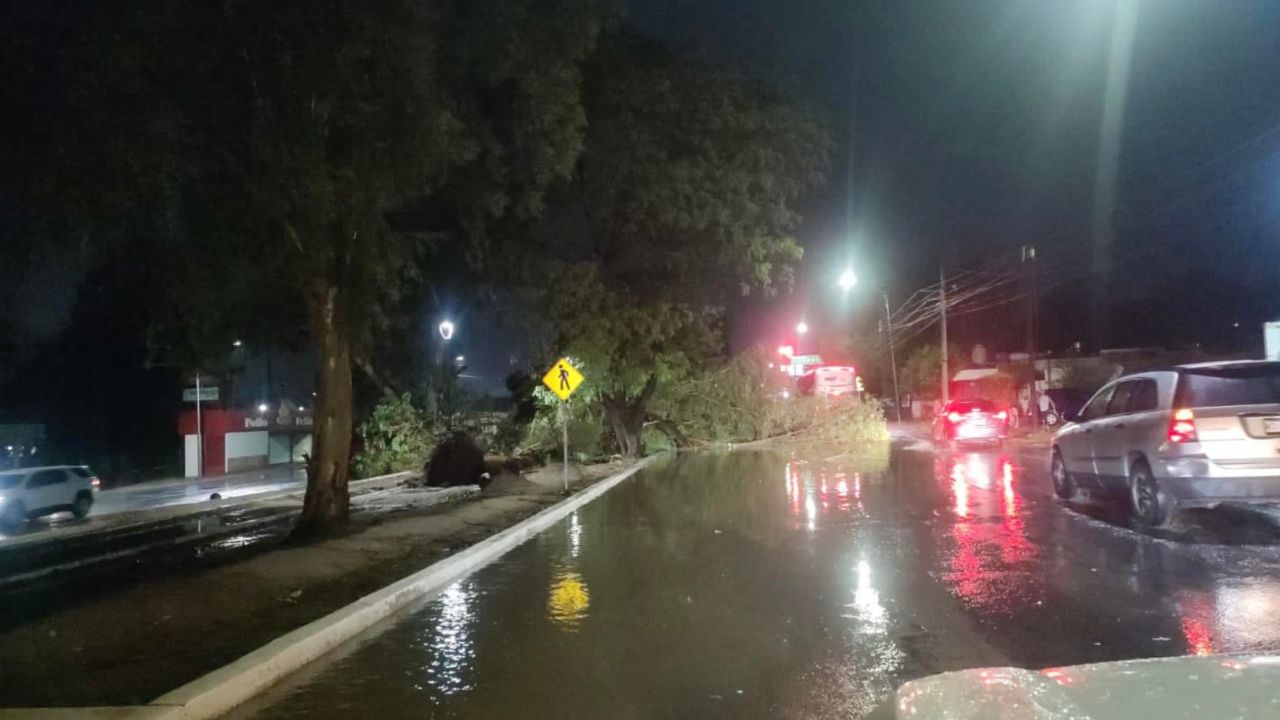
x: 131, y: 646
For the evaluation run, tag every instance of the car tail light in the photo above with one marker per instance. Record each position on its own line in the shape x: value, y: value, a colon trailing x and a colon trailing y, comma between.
x: 954, y: 417
x: 1182, y: 427
x: 95, y: 482
x: 1002, y: 415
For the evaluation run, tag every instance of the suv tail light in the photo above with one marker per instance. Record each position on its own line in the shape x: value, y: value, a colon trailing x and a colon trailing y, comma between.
x: 954, y: 417
x: 1002, y: 415
x: 1182, y: 427
x: 95, y: 482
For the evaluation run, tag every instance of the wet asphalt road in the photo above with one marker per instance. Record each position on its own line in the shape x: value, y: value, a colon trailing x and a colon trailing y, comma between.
x: 802, y: 583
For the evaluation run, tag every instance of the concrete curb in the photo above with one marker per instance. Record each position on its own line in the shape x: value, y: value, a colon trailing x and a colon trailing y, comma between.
x: 221, y: 690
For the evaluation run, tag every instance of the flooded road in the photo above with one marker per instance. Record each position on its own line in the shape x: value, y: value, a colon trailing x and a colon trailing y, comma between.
x: 800, y: 583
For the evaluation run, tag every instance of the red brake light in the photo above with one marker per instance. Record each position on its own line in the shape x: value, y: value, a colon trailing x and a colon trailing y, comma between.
x: 954, y: 417
x: 1002, y: 415
x: 95, y: 482
x: 1182, y: 427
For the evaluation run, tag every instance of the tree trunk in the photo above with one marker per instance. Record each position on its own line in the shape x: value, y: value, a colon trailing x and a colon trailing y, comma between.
x: 627, y: 418
x: 328, y: 467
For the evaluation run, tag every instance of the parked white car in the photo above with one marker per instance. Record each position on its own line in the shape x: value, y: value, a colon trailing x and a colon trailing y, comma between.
x: 1182, y: 688
x: 1192, y: 436
x: 32, y: 492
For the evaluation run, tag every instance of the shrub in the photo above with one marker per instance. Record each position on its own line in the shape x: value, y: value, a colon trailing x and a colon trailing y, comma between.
x: 395, y: 437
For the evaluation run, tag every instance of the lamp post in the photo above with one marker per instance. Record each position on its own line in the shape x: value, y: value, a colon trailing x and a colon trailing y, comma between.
x: 446, y: 329
x: 846, y: 282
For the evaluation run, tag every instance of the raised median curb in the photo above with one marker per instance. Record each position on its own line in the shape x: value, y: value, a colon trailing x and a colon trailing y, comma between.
x: 220, y: 691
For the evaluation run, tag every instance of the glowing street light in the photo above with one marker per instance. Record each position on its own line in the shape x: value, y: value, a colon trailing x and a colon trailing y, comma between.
x: 847, y: 280
x: 802, y: 327
x: 446, y: 329
x: 237, y: 343
x: 262, y: 408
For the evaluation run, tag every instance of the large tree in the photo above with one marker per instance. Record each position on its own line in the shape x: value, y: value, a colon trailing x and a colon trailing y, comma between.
x: 684, y: 199
x: 317, y: 152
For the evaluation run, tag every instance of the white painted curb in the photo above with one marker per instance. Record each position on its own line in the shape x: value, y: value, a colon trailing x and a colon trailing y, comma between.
x: 221, y: 690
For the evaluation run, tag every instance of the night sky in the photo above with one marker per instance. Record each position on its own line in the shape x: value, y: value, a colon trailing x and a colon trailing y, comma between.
x: 977, y: 126
x: 977, y: 131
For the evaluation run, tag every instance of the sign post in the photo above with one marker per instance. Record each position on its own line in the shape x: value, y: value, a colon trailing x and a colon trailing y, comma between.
x: 562, y: 379
x: 199, y: 433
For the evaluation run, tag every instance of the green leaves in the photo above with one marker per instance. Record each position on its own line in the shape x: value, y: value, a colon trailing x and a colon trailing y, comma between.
x: 683, y: 200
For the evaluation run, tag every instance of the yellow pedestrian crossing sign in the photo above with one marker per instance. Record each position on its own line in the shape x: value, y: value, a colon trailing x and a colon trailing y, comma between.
x: 563, y: 378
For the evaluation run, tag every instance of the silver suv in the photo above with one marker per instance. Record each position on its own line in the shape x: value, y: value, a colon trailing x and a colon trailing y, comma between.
x: 32, y: 492
x: 1193, y: 436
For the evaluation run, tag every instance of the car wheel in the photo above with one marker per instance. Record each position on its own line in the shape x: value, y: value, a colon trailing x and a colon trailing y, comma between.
x: 83, y: 502
x: 13, y: 518
x: 1149, y: 505
x: 1064, y: 486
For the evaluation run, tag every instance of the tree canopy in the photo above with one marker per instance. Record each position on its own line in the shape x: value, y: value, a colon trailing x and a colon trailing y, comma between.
x: 311, y: 156
x: 683, y: 200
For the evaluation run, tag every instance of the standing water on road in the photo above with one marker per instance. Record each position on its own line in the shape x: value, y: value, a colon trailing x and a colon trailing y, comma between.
x: 791, y: 583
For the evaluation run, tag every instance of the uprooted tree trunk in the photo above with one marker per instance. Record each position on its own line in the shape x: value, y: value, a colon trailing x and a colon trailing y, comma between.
x: 627, y: 416
x: 329, y: 466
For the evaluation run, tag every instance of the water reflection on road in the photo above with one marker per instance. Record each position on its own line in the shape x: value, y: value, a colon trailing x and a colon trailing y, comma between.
x: 795, y: 584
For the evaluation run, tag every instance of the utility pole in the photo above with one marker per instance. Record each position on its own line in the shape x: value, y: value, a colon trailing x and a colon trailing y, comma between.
x: 1029, y: 261
x: 893, y: 362
x: 942, y: 302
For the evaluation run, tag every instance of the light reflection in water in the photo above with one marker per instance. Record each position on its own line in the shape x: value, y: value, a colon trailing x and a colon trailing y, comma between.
x: 983, y: 555
x: 812, y: 495
x: 575, y: 535
x: 866, y: 600
x: 451, y: 642
x: 568, y: 600
x: 1231, y: 618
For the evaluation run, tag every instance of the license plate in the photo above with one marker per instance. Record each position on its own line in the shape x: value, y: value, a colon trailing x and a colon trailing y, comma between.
x: 1271, y: 426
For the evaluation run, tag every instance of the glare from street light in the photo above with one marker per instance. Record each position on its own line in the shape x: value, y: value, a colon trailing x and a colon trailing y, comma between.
x: 847, y: 280
x: 236, y: 343
x: 262, y: 408
x: 802, y: 327
x: 446, y: 329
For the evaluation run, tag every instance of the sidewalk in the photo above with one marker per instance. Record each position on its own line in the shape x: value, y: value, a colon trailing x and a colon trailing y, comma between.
x: 138, y: 642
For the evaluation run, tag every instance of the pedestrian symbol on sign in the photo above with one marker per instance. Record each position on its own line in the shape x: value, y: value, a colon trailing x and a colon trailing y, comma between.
x: 562, y: 379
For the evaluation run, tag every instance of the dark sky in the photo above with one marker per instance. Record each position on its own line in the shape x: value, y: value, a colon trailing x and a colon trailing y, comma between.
x: 978, y: 121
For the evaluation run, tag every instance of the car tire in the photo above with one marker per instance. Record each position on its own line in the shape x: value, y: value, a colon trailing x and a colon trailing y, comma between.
x: 1149, y: 505
x: 1064, y: 486
x: 84, y: 501
x: 13, y: 518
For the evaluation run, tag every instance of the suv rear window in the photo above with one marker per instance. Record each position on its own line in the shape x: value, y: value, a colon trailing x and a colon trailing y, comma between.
x: 964, y: 406
x: 9, y: 481
x: 82, y: 472
x: 1242, y: 385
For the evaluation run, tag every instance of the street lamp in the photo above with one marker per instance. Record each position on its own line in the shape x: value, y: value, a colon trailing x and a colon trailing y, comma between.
x: 446, y: 329
x: 846, y: 282
x: 802, y: 327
